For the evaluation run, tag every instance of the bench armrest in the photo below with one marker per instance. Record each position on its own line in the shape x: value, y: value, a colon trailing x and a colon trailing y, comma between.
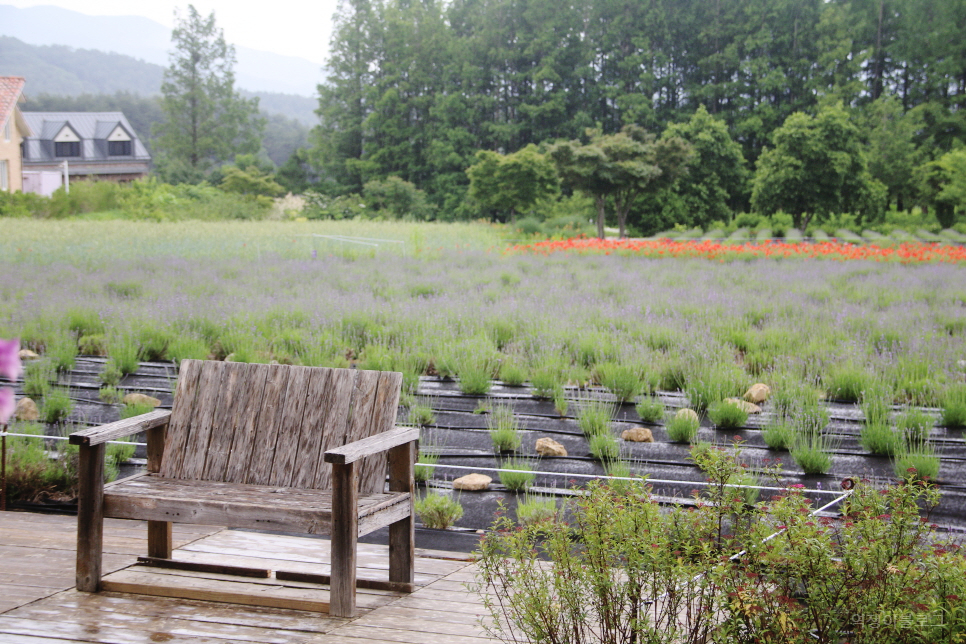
x: 352, y: 452
x: 120, y: 429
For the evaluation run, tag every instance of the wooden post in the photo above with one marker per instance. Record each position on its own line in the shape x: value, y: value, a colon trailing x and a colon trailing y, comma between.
x: 159, y: 532
x: 90, y: 517
x: 401, y: 537
x: 345, y: 533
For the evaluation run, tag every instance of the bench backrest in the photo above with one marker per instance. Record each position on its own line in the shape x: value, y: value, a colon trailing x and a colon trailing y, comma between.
x: 270, y: 424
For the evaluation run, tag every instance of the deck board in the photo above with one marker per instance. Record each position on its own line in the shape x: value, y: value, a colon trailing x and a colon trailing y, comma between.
x: 39, y: 604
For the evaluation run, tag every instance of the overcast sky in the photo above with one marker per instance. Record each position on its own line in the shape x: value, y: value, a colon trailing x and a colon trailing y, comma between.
x: 291, y: 27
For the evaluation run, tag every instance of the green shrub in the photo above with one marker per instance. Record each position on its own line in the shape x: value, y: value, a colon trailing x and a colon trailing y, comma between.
x: 604, y: 447
x: 56, y: 406
x: 83, y: 322
x: 122, y: 349
x: 92, y: 345
x: 560, y: 402
x: 420, y: 414
x: 714, y: 383
x: 880, y: 439
x: 914, y: 425
x: 110, y: 395
x: 621, y: 380
x: 847, y: 383
x: 438, y: 511
x: 545, y: 379
x: 650, y: 410
x: 682, y: 428
x: 512, y: 373
x: 779, y: 433
x: 810, y: 449
x: 38, y: 375
x: 34, y: 474
x: 129, y: 410
x: 504, y: 428
x: 727, y: 415
x: 519, y: 480
x: 534, y: 509
x: 474, y: 377
x: 62, y: 352
x: 423, y: 470
x: 187, y: 346
x: 110, y: 375
x: 954, y: 406
x: 594, y: 416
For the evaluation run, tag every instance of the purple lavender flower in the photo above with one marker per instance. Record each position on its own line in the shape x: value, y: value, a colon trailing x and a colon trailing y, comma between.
x: 10, y: 366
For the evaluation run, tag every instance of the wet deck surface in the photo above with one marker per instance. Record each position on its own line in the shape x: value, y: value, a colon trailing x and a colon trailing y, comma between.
x: 38, y: 602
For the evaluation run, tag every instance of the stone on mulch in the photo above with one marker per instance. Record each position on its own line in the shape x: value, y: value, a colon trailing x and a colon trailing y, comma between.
x: 549, y: 447
x: 472, y: 482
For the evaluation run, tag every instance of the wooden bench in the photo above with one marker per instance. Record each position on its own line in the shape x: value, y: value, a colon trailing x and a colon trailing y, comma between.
x: 272, y: 447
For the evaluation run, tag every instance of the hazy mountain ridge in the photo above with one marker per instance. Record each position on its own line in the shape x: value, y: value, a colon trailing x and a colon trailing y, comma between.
x: 144, y: 39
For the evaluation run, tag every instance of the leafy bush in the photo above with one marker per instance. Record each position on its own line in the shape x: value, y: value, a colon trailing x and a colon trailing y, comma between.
x: 880, y: 439
x: 504, y: 428
x: 779, y: 433
x: 954, y: 407
x: 594, y: 416
x: 621, y: 380
x: 682, y: 428
x: 421, y: 414
x: 56, y: 406
x: 810, y: 449
x: 512, y: 373
x: 727, y: 415
x: 847, y: 383
x: 519, y: 480
x: 650, y: 410
x: 438, y: 511
x: 604, y: 447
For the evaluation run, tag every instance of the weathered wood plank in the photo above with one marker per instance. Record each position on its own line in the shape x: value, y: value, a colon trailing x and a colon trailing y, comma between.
x: 160, y: 540
x: 385, y: 408
x: 90, y: 516
x: 232, y: 396
x: 345, y: 498
x: 266, y: 430
x: 182, y: 412
x: 369, y: 584
x: 196, y: 566
x: 335, y: 423
x: 210, y: 400
x: 355, y: 633
x: 319, y: 398
x: 357, y: 450
x: 402, y: 540
x: 246, y: 424
x: 120, y: 429
x: 290, y: 427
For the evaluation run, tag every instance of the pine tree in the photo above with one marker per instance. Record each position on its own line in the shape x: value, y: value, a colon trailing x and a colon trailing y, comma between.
x: 206, y: 121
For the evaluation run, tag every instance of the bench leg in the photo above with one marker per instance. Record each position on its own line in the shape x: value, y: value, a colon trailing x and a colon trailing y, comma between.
x: 159, y: 539
x: 401, y: 537
x: 90, y: 517
x: 345, y: 533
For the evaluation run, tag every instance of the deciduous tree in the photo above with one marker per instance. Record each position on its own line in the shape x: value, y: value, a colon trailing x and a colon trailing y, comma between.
x: 513, y: 182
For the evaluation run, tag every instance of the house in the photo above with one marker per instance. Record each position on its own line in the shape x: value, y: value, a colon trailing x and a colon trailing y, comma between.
x: 13, y: 129
x: 81, y: 145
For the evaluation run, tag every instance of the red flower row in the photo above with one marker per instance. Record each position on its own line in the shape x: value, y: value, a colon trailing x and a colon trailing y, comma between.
x: 906, y: 253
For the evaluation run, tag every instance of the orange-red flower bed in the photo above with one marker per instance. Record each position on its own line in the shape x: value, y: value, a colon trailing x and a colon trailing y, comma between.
x: 907, y: 253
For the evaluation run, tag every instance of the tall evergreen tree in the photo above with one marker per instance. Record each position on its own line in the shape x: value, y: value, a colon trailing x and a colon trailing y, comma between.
x: 206, y: 121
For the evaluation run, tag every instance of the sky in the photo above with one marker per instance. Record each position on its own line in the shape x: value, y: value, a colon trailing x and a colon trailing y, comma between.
x: 290, y: 27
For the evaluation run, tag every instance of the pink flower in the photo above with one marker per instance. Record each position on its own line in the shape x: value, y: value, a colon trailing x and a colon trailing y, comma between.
x: 7, y: 405
x: 10, y: 359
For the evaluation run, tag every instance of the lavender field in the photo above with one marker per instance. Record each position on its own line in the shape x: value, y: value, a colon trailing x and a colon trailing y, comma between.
x: 865, y: 361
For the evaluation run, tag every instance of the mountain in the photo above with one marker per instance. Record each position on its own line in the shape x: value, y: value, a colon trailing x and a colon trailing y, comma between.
x: 256, y: 71
x: 58, y: 70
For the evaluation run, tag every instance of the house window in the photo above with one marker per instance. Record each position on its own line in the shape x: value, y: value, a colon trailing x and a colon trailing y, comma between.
x: 4, y: 180
x: 67, y: 149
x: 119, y: 148
x: 6, y: 131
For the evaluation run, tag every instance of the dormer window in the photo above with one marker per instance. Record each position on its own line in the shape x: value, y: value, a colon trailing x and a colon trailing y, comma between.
x: 119, y: 142
x: 67, y: 143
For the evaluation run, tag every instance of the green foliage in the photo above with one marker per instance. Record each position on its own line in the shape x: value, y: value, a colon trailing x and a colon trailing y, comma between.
x: 713, y: 383
x: 943, y: 186
x: 129, y: 410
x: 681, y: 429
x: 56, y: 406
x: 423, y: 470
x: 110, y: 395
x: 881, y: 439
x: 62, y: 352
x: 438, y: 511
x: 35, y: 474
x: 534, y: 509
x: 727, y: 415
x: 395, y: 198
x: 521, y: 478
x: 954, y: 406
x: 38, y: 374
x: 650, y: 410
x: 810, y: 449
x: 512, y: 373
x: 419, y: 413
x: 594, y: 416
x: 847, y: 383
x: 206, y: 120
x: 250, y: 181
x: 504, y: 428
x: 604, y: 447
x: 512, y: 183
x: 624, y: 381
x: 778, y: 434
x: 817, y: 167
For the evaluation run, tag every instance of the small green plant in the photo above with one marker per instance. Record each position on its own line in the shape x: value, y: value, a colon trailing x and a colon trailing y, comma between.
x: 438, y: 511
x: 880, y: 439
x: 727, y: 415
x: 650, y: 410
x: 130, y: 410
x: 621, y: 380
x: 109, y: 395
x: 594, y: 416
x: 62, y: 352
x: 521, y: 478
x: 37, y: 378
x: 918, y: 462
x: 122, y: 349
x: 779, y: 433
x: 425, y: 462
x: 604, y: 447
x: 421, y: 414
x: 847, y: 383
x: 110, y: 375
x: 749, y: 494
x: 682, y: 428
x: 545, y: 380
x: 92, y: 345
x: 713, y: 383
x: 810, y: 449
x: 56, y: 406
x: 954, y: 406
x: 512, y: 373
x: 187, y: 346
x: 914, y: 425
x: 535, y: 509
x: 618, y: 468
x: 504, y: 429
x: 560, y: 402
x: 474, y: 378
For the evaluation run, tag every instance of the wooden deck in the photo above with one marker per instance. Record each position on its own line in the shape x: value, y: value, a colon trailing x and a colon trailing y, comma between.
x: 39, y: 604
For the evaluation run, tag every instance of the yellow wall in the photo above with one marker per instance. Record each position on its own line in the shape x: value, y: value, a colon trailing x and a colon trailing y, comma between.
x: 10, y: 151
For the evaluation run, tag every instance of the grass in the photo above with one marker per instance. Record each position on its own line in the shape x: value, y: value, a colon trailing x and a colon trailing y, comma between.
x: 519, y: 480
x: 650, y: 410
x: 594, y: 416
x: 880, y: 439
x: 810, y: 449
x: 954, y: 406
x: 56, y: 406
x: 37, y: 376
x: 779, y: 433
x: 727, y: 415
x: 624, y: 381
x: 438, y: 511
x: 512, y: 373
x: 534, y: 509
x: 504, y: 428
x: 682, y: 428
x: 420, y: 413
x: 604, y: 447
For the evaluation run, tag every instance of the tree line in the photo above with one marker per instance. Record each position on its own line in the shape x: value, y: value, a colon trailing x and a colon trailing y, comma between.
x: 858, y: 100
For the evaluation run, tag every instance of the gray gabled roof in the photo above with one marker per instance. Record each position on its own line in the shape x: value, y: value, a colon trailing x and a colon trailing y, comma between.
x: 92, y: 127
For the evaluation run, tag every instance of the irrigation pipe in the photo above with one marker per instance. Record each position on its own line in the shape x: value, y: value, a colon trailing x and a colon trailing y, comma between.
x: 621, y: 478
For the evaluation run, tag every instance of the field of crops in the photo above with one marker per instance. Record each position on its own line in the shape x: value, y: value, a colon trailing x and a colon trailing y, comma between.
x: 865, y: 359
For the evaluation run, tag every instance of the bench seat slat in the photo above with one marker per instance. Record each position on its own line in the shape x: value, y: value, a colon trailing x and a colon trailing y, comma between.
x: 155, y: 498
